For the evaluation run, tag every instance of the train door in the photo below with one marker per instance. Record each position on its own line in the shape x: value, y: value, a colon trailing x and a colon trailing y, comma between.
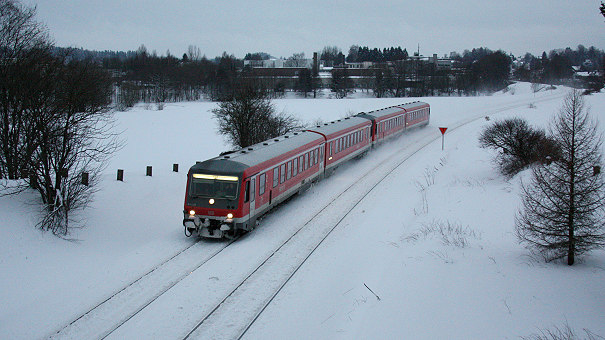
x: 321, y: 157
x: 252, y: 200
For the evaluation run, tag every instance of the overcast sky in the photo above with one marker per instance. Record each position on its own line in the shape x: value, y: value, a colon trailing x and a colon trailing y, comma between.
x: 284, y: 27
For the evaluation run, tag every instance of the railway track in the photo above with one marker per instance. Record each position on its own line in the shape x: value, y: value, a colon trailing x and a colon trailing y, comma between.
x: 230, y: 311
x: 105, y: 317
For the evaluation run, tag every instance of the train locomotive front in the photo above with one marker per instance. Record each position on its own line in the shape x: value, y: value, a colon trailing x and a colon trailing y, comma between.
x: 213, y: 200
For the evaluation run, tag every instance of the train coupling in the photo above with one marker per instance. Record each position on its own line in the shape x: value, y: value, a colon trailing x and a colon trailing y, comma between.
x: 194, y: 225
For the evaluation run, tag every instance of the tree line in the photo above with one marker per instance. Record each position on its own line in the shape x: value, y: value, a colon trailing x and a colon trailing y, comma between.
x: 141, y: 76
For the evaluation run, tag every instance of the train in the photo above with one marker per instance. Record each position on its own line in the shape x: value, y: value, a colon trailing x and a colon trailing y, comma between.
x: 227, y: 195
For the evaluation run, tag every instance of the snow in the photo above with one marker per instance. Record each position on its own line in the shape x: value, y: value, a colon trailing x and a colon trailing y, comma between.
x: 473, y: 280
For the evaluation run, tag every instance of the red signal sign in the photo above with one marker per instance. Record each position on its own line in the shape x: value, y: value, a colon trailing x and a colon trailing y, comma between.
x: 442, y: 129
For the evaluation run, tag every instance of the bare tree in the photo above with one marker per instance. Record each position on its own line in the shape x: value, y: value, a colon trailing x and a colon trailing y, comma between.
x: 518, y: 145
x: 341, y: 83
x: 250, y: 117
x: 75, y: 137
x: 54, y: 123
x: 24, y: 56
x: 297, y: 60
x: 194, y: 53
x: 563, y: 211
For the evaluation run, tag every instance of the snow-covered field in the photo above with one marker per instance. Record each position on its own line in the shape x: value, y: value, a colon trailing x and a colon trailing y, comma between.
x: 434, y: 240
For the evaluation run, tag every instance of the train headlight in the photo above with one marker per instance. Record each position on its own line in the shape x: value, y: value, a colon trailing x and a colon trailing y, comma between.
x: 192, y: 212
x: 211, y: 201
x: 229, y: 215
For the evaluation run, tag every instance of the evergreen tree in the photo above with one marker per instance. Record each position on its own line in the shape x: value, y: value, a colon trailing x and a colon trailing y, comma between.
x: 563, y: 211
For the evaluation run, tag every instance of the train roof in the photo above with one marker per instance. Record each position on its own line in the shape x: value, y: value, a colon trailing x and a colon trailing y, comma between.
x: 256, y: 154
x: 339, y: 125
x: 396, y: 108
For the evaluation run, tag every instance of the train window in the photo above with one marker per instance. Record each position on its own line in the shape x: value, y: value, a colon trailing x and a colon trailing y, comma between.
x: 321, y: 153
x: 262, y: 179
x: 290, y: 171
x: 295, y: 167
x: 315, y: 152
x: 307, y: 165
x: 275, y: 177
x: 300, y: 163
x: 247, y: 195
x: 282, y: 173
x: 330, y: 146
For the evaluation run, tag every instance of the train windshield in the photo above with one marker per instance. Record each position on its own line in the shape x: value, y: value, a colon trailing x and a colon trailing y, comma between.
x: 213, y: 186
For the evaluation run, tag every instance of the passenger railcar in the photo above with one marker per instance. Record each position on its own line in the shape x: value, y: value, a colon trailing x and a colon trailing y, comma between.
x: 222, y: 198
x: 226, y: 195
x: 345, y: 139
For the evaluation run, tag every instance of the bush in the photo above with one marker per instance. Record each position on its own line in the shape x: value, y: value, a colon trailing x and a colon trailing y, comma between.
x: 519, y: 144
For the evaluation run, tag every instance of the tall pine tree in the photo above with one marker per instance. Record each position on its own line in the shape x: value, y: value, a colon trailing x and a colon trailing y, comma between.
x: 563, y: 211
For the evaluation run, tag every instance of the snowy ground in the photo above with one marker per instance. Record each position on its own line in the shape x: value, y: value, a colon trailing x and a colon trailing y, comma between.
x: 434, y: 240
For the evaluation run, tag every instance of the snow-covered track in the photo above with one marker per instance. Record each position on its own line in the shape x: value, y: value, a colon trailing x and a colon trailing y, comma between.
x: 105, y: 317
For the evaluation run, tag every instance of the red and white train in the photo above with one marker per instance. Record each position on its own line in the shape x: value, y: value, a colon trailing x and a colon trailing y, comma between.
x: 226, y: 195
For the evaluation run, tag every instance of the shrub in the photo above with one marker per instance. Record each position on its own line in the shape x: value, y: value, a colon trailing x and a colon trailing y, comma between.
x: 519, y: 144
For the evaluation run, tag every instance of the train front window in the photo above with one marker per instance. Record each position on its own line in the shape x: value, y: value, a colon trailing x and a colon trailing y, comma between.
x: 214, y: 186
